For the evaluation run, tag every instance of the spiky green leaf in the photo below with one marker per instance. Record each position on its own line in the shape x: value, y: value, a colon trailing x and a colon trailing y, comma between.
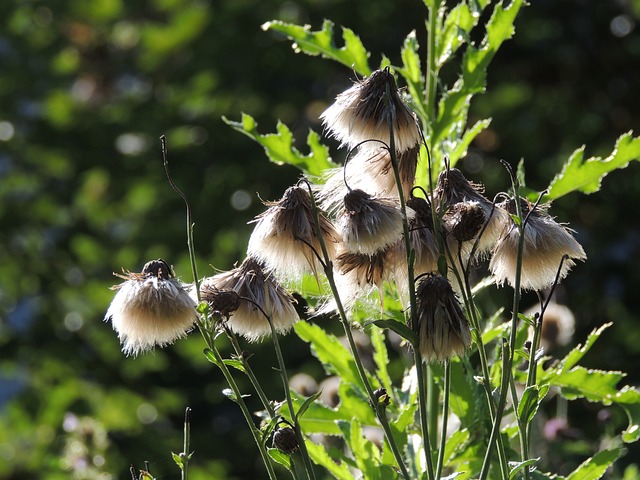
x: 353, y: 54
x: 279, y: 146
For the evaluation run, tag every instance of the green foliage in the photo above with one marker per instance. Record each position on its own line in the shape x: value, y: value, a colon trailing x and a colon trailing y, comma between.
x: 353, y: 54
x: 279, y: 146
x: 586, y: 176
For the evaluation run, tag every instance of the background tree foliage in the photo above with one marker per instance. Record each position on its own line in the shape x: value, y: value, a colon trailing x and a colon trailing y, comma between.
x: 86, y: 89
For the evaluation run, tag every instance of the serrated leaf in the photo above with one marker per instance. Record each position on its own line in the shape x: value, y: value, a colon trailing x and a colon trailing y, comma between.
x: 576, y: 354
x: 320, y: 456
x: 586, y: 175
x: 397, y: 327
x: 411, y: 71
x: 462, y: 393
x: 279, y: 457
x: 595, y: 467
x: 455, y: 32
x: 629, y: 399
x: 593, y: 385
x: 335, y: 357
x: 352, y: 55
x: 279, y: 146
x: 454, y: 104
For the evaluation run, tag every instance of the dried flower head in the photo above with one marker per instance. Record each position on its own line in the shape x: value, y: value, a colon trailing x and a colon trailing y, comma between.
x: 259, y: 292
x: 442, y: 327
x: 222, y: 301
x: 150, y: 308
x: 422, y: 241
x: 361, y: 113
x: 546, y: 242
x: 370, y: 224
x: 453, y: 188
x: 369, y: 169
x: 285, y: 238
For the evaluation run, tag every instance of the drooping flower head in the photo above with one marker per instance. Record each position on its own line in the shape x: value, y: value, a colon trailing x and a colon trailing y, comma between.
x: 558, y: 325
x: 361, y: 113
x: 546, y: 242
x: 369, y: 224
x: 285, y: 237
x: 260, y: 292
x: 150, y: 308
x: 453, y: 188
x: 369, y: 169
x: 442, y: 327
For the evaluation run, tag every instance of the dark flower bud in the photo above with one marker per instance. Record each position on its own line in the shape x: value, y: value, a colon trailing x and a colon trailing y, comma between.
x: 464, y: 220
x: 382, y: 397
x: 285, y: 440
x: 222, y: 300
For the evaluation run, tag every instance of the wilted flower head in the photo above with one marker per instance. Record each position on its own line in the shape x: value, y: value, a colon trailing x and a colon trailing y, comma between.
x: 442, y: 327
x: 370, y: 224
x: 150, y: 308
x: 222, y: 301
x: 361, y: 113
x: 285, y: 238
x: 256, y: 289
x: 453, y: 188
x: 369, y: 169
x: 546, y: 242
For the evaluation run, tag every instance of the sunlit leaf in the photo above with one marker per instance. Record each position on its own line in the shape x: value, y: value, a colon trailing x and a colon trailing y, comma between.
x: 279, y: 146
x: 353, y: 54
x: 281, y: 458
x: 595, y: 467
x: 586, y: 176
x: 320, y: 456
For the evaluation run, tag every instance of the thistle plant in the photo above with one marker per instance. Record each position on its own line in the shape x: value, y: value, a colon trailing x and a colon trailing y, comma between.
x: 396, y: 244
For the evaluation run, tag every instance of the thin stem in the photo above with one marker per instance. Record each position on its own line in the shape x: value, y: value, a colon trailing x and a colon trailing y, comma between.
x: 472, y: 315
x: 522, y: 428
x: 495, y: 430
x: 186, y: 456
x: 328, y: 270
x: 233, y: 338
x: 285, y: 383
x: 422, y: 389
x: 190, y: 246
x: 433, y: 400
x: 245, y: 411
x: 431, y: 60
x: 445, y: 417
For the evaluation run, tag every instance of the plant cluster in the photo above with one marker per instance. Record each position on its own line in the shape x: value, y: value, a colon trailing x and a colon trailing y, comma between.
x: 397, y: 244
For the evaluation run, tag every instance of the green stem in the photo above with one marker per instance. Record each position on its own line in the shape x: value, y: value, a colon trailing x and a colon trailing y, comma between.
x: 186, y: 456
x: 422, y: 389
x: 522, y: 428
x: 233, y: 338
x: 495, y: 430
x: 245, y: 411
x: 431, y: 73
x: 433, y: 398
x: 472, y: 315
x: 328, y: 270
x: 285, y: 383
x: 445, y: 417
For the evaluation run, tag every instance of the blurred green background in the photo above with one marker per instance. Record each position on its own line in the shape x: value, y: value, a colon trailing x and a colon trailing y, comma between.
x: 86, y: 89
